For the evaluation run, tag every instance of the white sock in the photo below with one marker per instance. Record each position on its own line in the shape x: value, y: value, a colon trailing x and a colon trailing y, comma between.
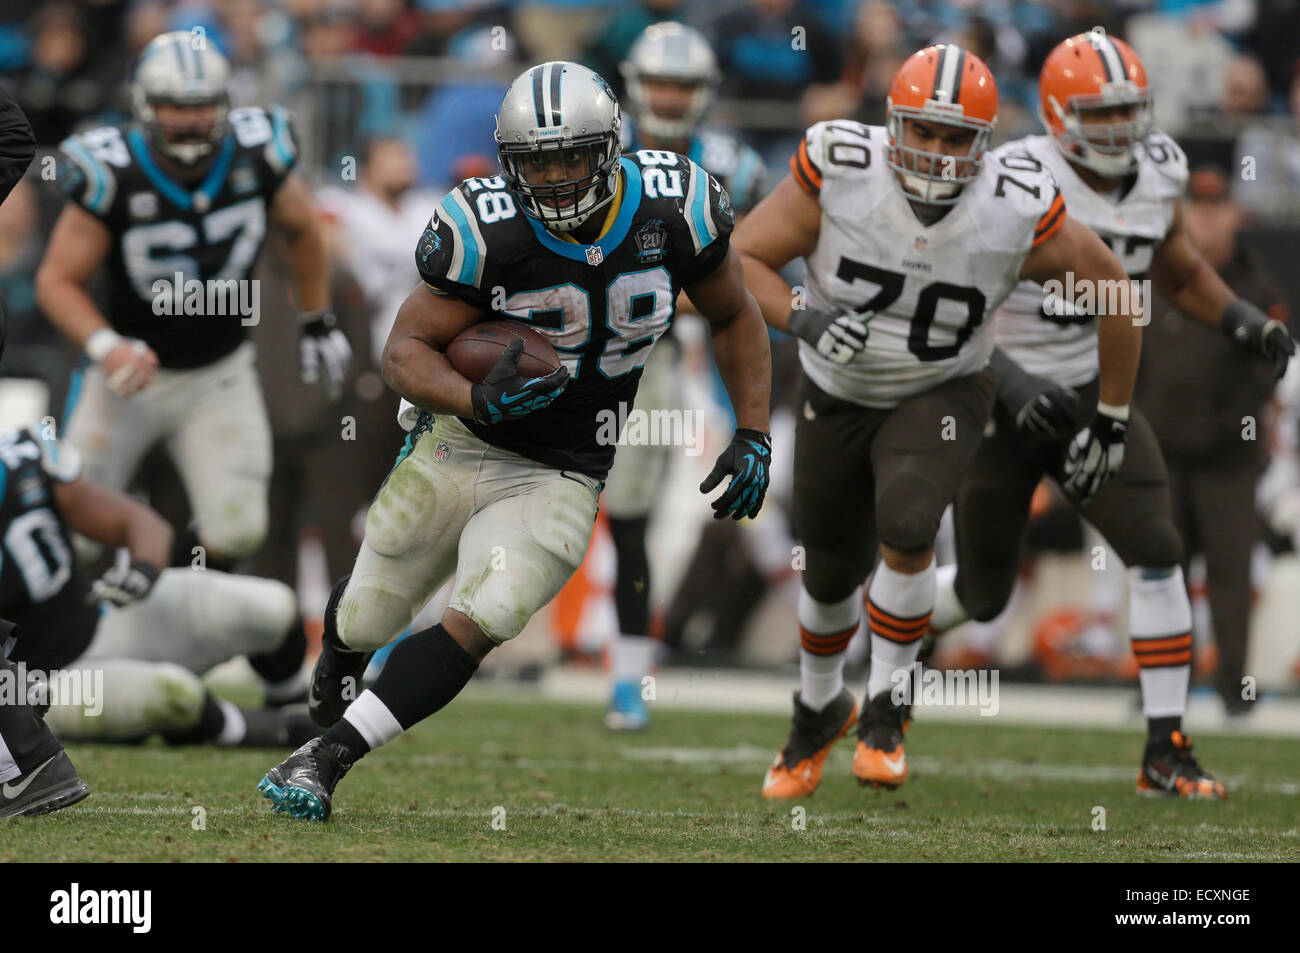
x: 1160, y: 630
x: 631, y: 657
x: 372, y: 720
x: 899, y: 608
x: 234, y: 727
x: 948, y: 610
x: 825, y: 629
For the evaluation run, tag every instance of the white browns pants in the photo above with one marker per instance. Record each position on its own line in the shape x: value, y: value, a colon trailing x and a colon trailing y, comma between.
x: 214, y: 425
x: 150, y: 655
x: 511, y: 530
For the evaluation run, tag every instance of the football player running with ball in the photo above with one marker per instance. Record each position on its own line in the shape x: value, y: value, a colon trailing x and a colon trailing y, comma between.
x: 912, y: 236
x: 1123, y: 180
x: 500, y: 479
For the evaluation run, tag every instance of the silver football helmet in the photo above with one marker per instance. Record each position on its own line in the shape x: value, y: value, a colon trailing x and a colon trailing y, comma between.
x: 184, y: 69
x: 677, y: 53
x: 558, y: 138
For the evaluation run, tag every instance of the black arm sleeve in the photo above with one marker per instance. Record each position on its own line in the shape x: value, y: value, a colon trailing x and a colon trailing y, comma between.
x: 17, y: 144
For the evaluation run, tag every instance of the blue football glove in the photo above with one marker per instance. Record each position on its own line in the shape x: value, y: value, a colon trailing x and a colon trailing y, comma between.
x: 748, y: 458
x: 504, y: 395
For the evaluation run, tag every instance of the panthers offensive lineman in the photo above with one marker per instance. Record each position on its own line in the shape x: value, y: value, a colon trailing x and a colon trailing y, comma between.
x: 501, y: 486
x: 671, y: 76
x: 912, y: 237
x: 1123, y: 180
x: 186, y: 191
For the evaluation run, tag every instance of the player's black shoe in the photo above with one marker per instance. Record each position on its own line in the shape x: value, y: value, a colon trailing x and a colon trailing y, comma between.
x: 49, y: 787
x: 1170, y: 770
x: 302, y: 785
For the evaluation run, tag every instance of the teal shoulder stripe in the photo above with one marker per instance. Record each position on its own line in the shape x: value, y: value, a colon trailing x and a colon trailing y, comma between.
x: 280, y: 138
x: 98, y: 174
x: 468, y: 243
x: 700, y: 209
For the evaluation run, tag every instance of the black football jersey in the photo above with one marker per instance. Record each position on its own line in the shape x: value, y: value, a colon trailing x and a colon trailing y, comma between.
x: 602, y: 306
x: 208, y: 232
x: 42, y: 590
x: 737, y: 166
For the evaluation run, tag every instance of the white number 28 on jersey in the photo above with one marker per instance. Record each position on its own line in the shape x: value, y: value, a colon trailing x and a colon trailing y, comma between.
x: 638, y: 307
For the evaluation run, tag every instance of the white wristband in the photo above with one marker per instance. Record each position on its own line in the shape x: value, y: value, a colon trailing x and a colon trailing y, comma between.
x: 1110, y: 410
x: 101, y: 342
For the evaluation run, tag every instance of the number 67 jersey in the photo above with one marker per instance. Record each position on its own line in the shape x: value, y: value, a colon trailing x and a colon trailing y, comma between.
x: 602, y: 306
x: 209, y: 231
x: 928, y: 292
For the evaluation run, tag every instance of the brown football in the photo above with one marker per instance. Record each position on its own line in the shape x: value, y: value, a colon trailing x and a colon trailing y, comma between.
x: 476, y: 350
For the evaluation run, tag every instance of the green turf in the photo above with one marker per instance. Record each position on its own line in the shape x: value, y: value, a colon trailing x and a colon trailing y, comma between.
x: 687, y: 789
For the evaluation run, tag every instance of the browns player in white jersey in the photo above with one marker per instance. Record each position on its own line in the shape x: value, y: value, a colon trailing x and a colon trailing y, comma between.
x: 912, y: 236
x: 1124, y: 181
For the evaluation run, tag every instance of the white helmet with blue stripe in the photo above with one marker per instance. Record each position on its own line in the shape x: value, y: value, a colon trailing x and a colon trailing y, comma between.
x: 558, y: 138
x: 181, y: 68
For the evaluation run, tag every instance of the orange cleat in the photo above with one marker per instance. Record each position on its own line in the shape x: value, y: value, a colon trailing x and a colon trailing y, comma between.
x: 797, y: 770
x: 1170, y: 770
x: 879, y: 759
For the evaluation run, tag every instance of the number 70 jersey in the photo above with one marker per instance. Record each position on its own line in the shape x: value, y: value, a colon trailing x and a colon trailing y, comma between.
x: 928, y: 292
x: 602, y: 306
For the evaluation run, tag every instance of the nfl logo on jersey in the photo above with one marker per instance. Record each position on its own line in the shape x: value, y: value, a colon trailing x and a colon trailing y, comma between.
x: 594, y: 255
x: 441, y: 452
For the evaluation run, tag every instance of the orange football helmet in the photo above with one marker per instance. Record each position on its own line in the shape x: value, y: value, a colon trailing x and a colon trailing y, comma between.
x: 948, y: 85
x: 1088, y: 74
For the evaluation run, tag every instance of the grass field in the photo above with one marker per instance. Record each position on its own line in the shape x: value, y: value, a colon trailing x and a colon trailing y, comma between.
x: 685, y: 790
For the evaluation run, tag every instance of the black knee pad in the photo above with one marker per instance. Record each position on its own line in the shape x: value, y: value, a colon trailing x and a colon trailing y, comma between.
x: 983, y: 598
x: 1153, y: 542
x: 908, y: 510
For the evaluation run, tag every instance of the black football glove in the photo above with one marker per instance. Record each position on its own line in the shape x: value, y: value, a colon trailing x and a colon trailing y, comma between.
x: 123, y: 585
x: 1254, y: 331
x: 323, y: 347
x: 1095, y: 455
x: 838, y: 337
x: 1041, y: 408
x: 504, y: 395
x: 748, y: 458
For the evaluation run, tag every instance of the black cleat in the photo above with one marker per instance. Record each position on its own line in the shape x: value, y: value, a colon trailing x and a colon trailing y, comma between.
x: 302, y: 785
x: 52, y: 786
x: 1170, y: 770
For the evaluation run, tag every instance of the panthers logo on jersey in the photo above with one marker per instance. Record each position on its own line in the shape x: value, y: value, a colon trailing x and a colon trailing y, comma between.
x: 601, y: 305
x: 210, y: 231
